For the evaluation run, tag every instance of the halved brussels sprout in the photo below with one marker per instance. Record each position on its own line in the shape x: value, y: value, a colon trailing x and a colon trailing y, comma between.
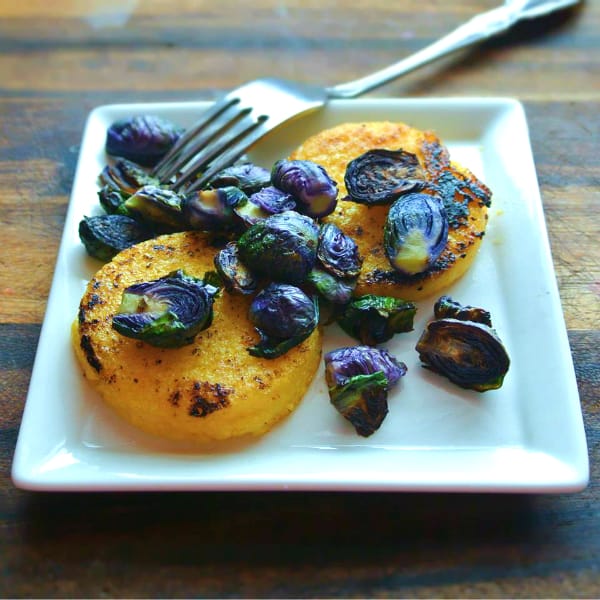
x: 168, y: 312
x: 213, y: 209
x: 284, y: 316
x: 236, y: 277
x: 447, y: 307
x: 247, y: 176
x: 338, y: 252
x: 273, y: 200
x: 315, y: 192
x: 375, y: 319
x: 331, y: 288
x: 359, y: 378
x: 415, y: 232
x: 126, y: 176
x: 380, y: 176
x: 282, y: 247
x: 144, y: 139
x: 470, y: 354
x: 156, y: 206
x: 106, y: 235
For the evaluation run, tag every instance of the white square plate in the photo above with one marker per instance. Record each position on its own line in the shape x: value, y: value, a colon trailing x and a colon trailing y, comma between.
x: 527, y: 436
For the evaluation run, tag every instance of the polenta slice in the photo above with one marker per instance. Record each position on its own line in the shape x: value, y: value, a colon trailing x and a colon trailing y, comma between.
x: 466, y: 201
x: 209, y: 390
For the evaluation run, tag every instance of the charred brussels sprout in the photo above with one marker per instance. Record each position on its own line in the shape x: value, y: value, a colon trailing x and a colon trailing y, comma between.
x: 284, y: 316
x: 315, y: 192
x: 359, y: 378
x: 381, y: 176
x: 126, y: 176
x: 415, y: 233
x: 375, y: 319
x: 213, y: 209
x: 111, y: 199
x: 157, y: 206
x: 446, y: 307
x: 338, y: 252
x: 470, y: 354
x: 168, y: 312
x: 106, y: 235
x: 282, y: 247
x: 144, y: 139
x: 331, y: 288
x: 235, y: 275
x: 247, y: 176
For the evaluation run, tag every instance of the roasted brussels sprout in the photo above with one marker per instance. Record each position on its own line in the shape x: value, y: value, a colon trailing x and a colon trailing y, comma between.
x: 331, y: 288
x: 236, y: 277
x: 159, y: 207
x: 315, y: 192
x: 213, y: 209
x: 282, y: 247
x: 415, y: 232
x: 144, y: 139
x: 168, y: 312
x: 105, y: 235
x: 381, y: 176
x: 126, y: 176
x: 446, y: 307
x: 273, y: 200
x: 359, y: 378
x: 248, y: 177
x: 249, y: 213
x: 375, y: 319
x: 111, y: 199
x: 338, y: 252
x: 470, y: 354
x: 284, y: 316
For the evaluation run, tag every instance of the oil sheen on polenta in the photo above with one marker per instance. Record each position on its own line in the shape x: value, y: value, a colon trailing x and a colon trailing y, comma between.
x: 334, y: 148
x: 209, y: 390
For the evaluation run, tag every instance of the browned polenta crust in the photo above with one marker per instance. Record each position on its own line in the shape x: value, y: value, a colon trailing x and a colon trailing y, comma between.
x: 209, y: 390
x: 334, y: 148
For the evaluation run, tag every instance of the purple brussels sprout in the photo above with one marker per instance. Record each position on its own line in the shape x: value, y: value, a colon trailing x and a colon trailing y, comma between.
x: 143, y: 139
x: 250, y: 178
x: 284, y: 316
x: 168, y: 312
x: 338, y: 252
x: 282, y: 247
x: 381, y: 176
x: 273, y: 200
x: 314, y: 191
x: 213, y: 209
x: 359, y: 378
x: 415, y: 232
x: 236, y: 277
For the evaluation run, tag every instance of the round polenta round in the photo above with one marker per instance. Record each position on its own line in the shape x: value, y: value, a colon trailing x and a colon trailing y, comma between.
x: 212, y: 389
x: 466, y: 200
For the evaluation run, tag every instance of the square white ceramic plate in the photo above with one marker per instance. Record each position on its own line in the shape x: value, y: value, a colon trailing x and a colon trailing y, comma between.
x: 527, y: 436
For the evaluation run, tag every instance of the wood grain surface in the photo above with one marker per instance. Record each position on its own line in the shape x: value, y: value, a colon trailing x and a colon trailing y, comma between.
x: 60, y: 59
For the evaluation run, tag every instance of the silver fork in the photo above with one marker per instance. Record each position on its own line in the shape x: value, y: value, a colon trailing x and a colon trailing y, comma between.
x: 243, y: 116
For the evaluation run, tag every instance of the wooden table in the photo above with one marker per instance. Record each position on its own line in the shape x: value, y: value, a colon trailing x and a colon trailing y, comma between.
x: 60, y: 59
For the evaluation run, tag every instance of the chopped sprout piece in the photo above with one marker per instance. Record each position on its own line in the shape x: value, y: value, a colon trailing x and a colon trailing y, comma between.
x: 375, y: 319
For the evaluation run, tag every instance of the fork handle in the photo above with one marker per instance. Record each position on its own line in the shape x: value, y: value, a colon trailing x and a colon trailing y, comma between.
x: 478, y: 28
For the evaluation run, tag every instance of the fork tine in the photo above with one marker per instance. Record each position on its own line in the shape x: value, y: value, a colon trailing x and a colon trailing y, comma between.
x: 211, y: 135
x: 208, y: 117
x: 233, y: 136
x: 227, y: 158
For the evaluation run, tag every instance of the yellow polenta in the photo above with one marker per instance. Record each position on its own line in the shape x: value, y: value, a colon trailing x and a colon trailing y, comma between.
x: 335, y: 148
x: 209, y: 390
